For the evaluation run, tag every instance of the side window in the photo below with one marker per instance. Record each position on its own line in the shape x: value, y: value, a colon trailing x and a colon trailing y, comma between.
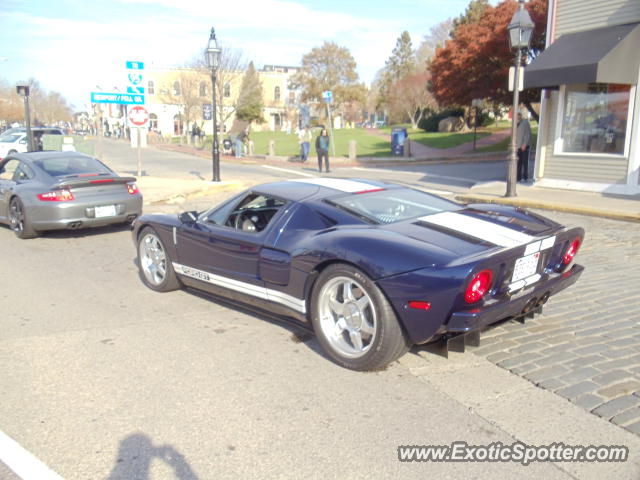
x: 254, y: 212
x: 9, y: 169
x: 23, y: 173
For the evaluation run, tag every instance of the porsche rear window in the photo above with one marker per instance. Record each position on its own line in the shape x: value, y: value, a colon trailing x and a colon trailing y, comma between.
x: 393, y: 205
x: 69, y: 166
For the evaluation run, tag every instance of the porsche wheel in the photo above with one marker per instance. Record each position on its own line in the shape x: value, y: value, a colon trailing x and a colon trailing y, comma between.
x: 155, y: 264
x: 18, y: 220
x: 354, y: 322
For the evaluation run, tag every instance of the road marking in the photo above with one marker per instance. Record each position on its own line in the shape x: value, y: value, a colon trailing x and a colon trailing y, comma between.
x: 297, y: 172
x: 23, y: 463
x: 371, y: 169
x: 438, y: 192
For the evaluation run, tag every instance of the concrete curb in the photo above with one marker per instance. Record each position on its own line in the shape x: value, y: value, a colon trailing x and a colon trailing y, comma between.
x: 523, y: 202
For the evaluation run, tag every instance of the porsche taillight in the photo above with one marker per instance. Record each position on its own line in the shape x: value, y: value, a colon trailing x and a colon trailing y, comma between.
x: 571, y: 251
x: 59, y: 195
x: 478, y: 286
x: 132, y: 188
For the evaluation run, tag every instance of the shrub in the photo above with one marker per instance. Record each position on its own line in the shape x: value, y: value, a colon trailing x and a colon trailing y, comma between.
x: 430, y: 122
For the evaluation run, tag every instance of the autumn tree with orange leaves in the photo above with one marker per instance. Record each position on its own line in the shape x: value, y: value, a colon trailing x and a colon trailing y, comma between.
x: 475, y: 62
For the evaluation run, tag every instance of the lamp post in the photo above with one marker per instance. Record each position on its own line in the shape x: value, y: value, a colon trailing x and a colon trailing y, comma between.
x: 213, y: 60
x: 520, y: 32
x: 24, y: 91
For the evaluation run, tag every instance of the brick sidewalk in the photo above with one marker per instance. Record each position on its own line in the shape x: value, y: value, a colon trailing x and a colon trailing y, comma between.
x: 586, y: 346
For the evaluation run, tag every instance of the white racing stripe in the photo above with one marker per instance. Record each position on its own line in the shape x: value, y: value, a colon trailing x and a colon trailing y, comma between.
x: 23, y: 463
x: 289, y: 301
x: 349, y: 186
x: 482, y: 229
x: 296, y: 172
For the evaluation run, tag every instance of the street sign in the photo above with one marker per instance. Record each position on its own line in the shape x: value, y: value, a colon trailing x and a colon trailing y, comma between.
x: 512, y: 74
x: 122, y: 98
x: 207, y: 111
x: 135, y: 78
x: 135, y: 65
x: 138, y: 115
x: 327, y: 96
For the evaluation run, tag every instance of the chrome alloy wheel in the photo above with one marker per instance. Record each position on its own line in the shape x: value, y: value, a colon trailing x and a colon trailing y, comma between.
x: 347, y: 316
x: 16, y: 217
x: 153, y: 259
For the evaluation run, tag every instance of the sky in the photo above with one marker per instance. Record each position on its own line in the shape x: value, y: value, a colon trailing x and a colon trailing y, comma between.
x: 76, y: 46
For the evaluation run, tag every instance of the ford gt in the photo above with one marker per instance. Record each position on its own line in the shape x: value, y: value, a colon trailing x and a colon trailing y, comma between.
x: 372, y: 268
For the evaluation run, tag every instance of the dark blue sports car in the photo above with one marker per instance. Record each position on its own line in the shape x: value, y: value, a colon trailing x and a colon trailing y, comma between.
x: 373, y: 268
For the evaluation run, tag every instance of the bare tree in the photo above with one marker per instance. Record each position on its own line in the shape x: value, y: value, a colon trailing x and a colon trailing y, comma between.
x: 436, y: 38
x: 409, y: 97
x: 228, y: 80
x: 189, y: 91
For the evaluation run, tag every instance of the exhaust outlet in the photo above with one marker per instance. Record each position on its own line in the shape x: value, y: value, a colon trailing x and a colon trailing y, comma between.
x: 543, y: 299
x: 530, y: 305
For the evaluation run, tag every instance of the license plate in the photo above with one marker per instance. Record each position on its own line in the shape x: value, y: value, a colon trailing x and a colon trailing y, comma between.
x: 106, y: 211
x: 525, y: 267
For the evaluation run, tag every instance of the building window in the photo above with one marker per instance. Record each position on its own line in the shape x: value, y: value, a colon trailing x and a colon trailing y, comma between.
x: 176, y: 88
x: 595, y: 118
x: 153, y: 122
x: 292, y: 97
x: 151, y: 88
x: 226, y: 90
x: 203, y: 89
x: 276, y: 94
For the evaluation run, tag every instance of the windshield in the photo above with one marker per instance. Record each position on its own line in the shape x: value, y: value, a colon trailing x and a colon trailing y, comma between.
x: 10, y: 138
x: 394, y: 205
x: 72, y: 166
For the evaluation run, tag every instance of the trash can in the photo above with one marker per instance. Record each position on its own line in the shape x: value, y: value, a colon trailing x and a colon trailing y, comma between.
x: 398, y: 136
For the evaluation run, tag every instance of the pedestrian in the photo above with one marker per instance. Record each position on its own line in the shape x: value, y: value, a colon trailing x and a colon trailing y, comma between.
x: 304, y: 138
x: 194, y: 132
x: 240, y: 139
x: 523, y: 145
x: 322, y: 148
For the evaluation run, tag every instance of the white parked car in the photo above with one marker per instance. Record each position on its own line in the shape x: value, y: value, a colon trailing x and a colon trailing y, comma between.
x: 13, y: 143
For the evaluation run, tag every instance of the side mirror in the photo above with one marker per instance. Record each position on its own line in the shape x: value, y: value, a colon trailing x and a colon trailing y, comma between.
x: 188, y: 217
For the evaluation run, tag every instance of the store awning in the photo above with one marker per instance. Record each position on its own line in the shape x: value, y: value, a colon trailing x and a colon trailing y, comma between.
x: 603, y: 55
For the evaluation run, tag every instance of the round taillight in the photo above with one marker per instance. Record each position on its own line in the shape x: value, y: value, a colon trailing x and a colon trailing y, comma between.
x: 571, y: 252
x: 478, y: 286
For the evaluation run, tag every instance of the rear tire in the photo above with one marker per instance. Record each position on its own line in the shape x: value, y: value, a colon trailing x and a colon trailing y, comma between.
x: 156, y: 268
x: 18, y: 220
x: 354, y: 322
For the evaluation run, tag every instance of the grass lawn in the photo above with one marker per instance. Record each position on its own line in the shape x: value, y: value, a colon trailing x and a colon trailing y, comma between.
x: 445, y: 139
x: 287, y: 145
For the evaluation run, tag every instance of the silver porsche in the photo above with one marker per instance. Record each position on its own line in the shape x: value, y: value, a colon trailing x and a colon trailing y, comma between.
x: 63, y: 190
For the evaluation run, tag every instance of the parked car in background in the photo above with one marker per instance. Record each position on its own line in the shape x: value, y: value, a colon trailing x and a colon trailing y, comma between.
x: 11, y: 143
x: 9, y: 136
x: 63, y: 190
x: 371, y: 267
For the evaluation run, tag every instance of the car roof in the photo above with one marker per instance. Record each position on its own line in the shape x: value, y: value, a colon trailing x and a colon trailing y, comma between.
x: 319, y: 187
x: 29, y: 156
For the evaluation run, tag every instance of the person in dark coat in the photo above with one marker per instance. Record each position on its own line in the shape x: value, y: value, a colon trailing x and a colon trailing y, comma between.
x: 322, y: 149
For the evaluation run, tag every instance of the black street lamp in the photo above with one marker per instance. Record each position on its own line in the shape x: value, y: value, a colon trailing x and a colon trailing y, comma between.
x: 23, y: 90
x: 520, y: 32
x: 212, y: 54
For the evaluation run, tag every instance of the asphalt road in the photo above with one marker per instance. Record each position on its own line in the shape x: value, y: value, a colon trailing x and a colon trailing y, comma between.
x: 442, y: 178
x: 102, y: 378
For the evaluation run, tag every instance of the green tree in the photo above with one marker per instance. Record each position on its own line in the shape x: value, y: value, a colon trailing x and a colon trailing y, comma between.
x: 329, y: 67
x: 250, y: 99
x: 402, y: 61
x: 472, y: 14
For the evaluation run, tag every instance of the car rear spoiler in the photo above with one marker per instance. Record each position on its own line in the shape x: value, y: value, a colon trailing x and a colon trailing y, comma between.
x: 78, y: 182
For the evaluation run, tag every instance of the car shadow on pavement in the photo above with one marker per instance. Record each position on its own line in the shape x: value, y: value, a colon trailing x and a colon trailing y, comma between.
x: 83, y: 232
x: 299, y: 334
x: 137, y: 451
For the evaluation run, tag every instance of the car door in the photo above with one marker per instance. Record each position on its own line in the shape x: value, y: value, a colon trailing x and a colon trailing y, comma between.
x: 227, y: 243
x: 7, y: 185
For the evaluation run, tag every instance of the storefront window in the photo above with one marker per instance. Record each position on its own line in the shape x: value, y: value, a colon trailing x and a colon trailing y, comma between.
x: 595, y: 118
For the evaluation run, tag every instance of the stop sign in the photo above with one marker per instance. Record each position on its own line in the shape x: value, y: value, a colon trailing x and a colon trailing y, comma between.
x: 138, y: 115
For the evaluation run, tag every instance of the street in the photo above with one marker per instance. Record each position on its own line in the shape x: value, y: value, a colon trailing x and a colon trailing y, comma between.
x: 104, y: 378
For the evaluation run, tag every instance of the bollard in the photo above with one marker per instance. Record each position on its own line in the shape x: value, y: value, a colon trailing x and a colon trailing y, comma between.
x: 272, y: 148
x: 407, y: 147
x: 353, y: 150
x: 250, y: 148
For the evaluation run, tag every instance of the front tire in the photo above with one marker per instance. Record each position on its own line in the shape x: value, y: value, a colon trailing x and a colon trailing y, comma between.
x: 18, y: 220
x: 354, y: 322
x: 156, y: 268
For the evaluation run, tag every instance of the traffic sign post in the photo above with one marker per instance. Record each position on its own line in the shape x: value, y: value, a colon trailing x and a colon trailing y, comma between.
x: 138, y: 116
